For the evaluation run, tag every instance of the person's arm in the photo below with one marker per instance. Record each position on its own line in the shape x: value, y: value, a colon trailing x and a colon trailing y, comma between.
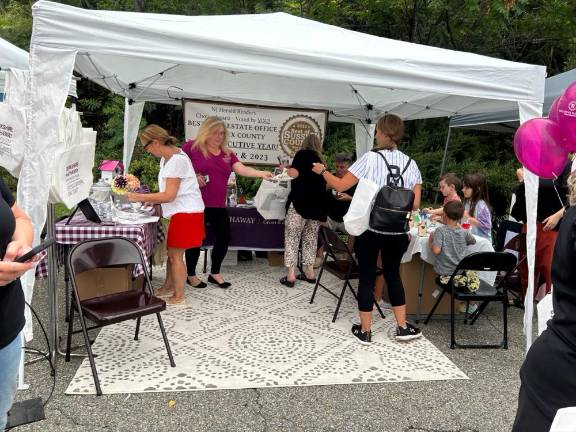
x: 434, y: 243
x: 336, y: 183
x: 551, y: 221
x: 482, y: 219
x: 470, y: 239
x: 293, y: 172
x: 20, y: 244
x: 417, y: 189
x: 246, y: 171
x: 169, y: 194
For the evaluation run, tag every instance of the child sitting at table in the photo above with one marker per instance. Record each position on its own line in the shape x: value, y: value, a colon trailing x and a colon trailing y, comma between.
x: 448, y: 186
x: 449, y: 243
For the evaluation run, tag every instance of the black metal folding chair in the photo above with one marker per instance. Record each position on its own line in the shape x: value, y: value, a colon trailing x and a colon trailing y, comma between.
x: 113, y: 303
x: 486, y: 293
x: 338, y: 261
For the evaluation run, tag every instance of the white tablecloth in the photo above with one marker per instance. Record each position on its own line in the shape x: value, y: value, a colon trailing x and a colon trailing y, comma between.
x: 420, y: 245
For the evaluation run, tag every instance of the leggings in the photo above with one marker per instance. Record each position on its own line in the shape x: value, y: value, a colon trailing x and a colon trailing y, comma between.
x: 297, y: 228
x: 367, y: 247
x: 220, y: 223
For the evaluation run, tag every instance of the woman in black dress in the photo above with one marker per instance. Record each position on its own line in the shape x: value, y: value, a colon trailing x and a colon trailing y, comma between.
x: 548, y: 381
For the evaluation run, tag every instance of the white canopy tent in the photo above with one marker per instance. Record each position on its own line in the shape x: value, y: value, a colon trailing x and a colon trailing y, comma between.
x: 11, y: 57
x: 508, y: 121
x: 270, y: 59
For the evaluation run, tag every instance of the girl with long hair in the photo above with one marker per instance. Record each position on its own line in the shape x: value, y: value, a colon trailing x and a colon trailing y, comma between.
x: 476, y: 207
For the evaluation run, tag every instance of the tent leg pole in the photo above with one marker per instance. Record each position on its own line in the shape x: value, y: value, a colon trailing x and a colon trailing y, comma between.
x: 443, y: 165
x: 52, y: 286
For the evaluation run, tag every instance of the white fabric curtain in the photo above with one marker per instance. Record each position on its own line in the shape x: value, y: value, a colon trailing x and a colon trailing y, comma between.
x: 51, y: 72
x: 528, y: 111
x: 364, y: 138
x: 132, y: 117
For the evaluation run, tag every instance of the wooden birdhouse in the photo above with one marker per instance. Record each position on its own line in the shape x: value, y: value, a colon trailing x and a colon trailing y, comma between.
x: 110, y: 169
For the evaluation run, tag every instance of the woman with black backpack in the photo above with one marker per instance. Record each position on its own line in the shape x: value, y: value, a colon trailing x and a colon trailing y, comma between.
x: 387, y: 235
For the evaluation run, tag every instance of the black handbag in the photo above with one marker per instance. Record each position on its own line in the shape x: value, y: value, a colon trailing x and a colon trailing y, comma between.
x: 393, y: 204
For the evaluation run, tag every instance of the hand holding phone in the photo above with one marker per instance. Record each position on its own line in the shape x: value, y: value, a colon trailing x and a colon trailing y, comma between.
x: 34, y: 251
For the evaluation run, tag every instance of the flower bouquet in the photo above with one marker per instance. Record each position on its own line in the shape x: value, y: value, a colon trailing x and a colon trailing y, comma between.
x: 121, y: 185
x: 124, y: 183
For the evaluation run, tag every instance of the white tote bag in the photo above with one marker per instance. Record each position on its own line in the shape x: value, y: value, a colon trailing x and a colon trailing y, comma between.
x: 357, y: 219
x: 545, y: 312
x: 271, y: 198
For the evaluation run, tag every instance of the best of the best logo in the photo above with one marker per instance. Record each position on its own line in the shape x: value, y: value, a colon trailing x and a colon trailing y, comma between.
x: 295, y: 130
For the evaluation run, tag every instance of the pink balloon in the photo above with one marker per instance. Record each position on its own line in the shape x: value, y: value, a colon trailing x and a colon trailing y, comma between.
x: 567, y: 117
x: 536, y: 147
x: 553, y: 113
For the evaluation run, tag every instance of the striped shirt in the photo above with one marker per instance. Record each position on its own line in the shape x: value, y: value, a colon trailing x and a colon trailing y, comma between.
x: 372, y: 167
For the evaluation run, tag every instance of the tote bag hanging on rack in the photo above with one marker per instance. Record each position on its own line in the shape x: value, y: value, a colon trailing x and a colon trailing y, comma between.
x: 357, y: 219
x: 13, y: 122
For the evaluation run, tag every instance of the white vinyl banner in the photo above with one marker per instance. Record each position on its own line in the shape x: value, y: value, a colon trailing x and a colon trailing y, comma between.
x: 258, y: 135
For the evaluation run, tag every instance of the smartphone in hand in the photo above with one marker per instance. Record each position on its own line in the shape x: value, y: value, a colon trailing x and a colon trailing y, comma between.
x: 34, y: 251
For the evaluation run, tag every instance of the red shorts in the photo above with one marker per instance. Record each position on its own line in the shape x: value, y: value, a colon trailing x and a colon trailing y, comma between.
x: 186, y: 230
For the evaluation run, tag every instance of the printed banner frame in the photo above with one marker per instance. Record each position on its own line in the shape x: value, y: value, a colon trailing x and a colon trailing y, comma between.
x: 258, y: 134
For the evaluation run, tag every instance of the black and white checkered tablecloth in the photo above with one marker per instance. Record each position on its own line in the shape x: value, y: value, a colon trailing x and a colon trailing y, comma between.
x: 146, y: 236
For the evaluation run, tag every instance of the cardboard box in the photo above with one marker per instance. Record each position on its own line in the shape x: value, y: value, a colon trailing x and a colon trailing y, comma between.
x: 410, y: 274
x: 276, y: 259
x: 102, y: 281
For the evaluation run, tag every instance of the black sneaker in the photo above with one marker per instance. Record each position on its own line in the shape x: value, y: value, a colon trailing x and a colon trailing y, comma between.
x: 407, y: 333
x: 365, y: 338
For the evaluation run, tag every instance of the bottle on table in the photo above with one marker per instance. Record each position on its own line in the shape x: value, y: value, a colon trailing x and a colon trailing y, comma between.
x: 232, y: 191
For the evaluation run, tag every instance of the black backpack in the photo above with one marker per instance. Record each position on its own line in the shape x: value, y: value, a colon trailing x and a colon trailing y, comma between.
x: 393, y: 203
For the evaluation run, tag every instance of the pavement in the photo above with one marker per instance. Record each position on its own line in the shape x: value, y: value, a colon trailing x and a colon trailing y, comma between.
x: 484, y: 403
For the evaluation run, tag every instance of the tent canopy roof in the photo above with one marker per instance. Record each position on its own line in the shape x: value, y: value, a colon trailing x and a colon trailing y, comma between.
x: 12, y: 57
x: 279, y: 59
x: 508, y: 121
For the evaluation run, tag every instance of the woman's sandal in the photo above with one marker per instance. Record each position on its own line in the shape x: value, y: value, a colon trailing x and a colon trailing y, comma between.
x: 162, y: 292
x: 286, y: 282
x: 305, y: 278
x: 172, y: 301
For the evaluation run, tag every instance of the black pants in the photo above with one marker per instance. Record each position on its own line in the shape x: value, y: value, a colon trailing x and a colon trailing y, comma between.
x: 367, y: 247
x: 220, y: 224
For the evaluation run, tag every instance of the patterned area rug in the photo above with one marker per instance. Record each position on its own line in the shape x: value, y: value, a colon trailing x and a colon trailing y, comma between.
x: 258, y: 333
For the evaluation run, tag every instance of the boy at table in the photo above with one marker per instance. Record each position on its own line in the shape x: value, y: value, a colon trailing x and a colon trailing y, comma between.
x: 448, y: 186
x: 449, y: 243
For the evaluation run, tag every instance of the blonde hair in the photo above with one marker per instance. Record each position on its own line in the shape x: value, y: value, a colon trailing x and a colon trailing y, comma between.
x: 391, y: 125
x: 312, y: 142
x: 207, y: 128
x: 572, y: 188
x: 155, y: 132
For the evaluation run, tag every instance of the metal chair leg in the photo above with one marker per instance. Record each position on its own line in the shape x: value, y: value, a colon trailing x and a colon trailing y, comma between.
x: 346, y: 283
x: 70, y: 328
x: 505, y: 320
x: 317, y: 282
x: 137, y: 328
x: 90, y: 355
x: 434, y: 307
x: 452, y: 324
x: 168, y: 350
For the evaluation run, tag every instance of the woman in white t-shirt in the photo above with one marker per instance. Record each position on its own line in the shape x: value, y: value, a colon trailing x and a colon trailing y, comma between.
x: 181, y: 203
x: 371, y: 243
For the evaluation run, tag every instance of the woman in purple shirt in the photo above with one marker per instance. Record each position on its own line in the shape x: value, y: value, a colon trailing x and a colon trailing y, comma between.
x: 213, y: 162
